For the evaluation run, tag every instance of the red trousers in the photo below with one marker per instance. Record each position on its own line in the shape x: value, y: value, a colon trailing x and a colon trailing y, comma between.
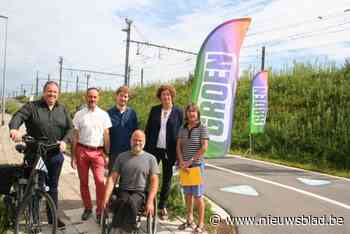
x: 89, y: 158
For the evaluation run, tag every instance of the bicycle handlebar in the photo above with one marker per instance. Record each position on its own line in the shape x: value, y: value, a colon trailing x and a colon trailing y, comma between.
x: 41, y: 142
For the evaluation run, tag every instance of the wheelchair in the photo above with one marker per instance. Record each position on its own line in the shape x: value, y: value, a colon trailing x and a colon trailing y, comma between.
x: 151, y: 220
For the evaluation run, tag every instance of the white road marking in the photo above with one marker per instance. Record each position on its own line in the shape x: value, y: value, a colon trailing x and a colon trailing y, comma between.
x: 241, y: 189
x: 313, y: 182
x: 282, y: 186
x: 284, y: 166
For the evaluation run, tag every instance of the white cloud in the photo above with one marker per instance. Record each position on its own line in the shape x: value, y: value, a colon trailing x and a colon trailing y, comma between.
x: 88, y: 34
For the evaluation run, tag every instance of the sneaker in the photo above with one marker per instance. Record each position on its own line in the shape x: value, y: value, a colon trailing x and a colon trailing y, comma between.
x: 86, y: 214
x: 60, y: 224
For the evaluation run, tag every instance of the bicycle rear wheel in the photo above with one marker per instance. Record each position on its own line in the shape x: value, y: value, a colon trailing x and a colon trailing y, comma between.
x: 36, y: 214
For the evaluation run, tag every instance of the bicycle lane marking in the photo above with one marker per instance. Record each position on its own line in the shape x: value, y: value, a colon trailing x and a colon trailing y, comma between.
x: 289, y: 167
x: 334, y: 202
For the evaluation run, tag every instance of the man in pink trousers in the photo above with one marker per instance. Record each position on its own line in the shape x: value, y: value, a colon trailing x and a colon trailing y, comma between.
x: 90, y: 149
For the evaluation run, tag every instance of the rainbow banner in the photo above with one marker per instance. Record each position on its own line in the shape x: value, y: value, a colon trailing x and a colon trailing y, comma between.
x: 215, y: 82
x: 259, y: 101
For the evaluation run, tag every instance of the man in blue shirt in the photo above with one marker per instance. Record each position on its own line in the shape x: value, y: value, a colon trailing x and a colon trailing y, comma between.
x: 124, y: 123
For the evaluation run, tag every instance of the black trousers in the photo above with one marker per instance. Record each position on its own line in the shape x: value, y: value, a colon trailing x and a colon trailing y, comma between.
x: 125, y: 209
x: 167, y: 173
x: 54, y: 167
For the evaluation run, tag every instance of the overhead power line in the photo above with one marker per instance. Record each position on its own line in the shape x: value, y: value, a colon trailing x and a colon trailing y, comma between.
x: 295, y: 36
x: 163, y: 47
x: 92, y: 71
x: 319, y: 19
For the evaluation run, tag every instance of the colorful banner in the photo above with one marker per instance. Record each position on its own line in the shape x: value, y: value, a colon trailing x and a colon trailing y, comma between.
x: 215, y: 82
x: 259, y: 103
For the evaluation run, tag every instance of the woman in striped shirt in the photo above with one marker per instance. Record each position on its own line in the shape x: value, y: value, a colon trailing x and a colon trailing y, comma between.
x: 192, y: 143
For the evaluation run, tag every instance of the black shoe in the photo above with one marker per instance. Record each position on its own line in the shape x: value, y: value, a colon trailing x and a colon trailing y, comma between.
x: 98, y: 219
x: 60, y: 224
x: 86, y: 214
x: 163, y: 214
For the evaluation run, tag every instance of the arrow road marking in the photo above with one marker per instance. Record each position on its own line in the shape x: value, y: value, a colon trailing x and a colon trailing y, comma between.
x: 241, y: 189
x: 313, y: 182
x: 282, y: 186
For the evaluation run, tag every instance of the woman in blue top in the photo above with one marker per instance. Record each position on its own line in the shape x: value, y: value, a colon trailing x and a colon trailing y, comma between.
x: 192, y: 143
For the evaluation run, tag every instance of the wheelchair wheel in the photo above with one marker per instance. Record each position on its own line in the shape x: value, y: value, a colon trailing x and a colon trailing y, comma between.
x: 107, y: 222
x: 152, y: 220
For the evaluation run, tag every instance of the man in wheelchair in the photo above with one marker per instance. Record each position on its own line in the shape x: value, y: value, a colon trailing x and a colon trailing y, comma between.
x: 137, y: 172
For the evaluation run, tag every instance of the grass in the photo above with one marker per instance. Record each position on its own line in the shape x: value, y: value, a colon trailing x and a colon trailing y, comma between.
x: 177, y: 206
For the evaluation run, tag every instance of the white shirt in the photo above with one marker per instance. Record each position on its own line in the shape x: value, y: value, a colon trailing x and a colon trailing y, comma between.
x: 91, y: 125
x: 161, y: 143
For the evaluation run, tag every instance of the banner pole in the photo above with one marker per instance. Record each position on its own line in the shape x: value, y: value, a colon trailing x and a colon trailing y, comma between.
x: 251, y: 144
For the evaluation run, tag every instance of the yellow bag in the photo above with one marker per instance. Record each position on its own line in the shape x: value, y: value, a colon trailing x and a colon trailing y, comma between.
x: 191, y: 177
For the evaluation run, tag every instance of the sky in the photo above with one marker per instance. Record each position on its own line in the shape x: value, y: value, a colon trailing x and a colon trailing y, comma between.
x: 88, y: 35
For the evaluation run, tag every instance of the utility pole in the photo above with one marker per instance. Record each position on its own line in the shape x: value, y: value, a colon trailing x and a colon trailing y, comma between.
x: 127, y: 30
x: 77, y: 85
x: 263, y: 58
x: 37, y: 84
x: 48, y: 77
x: 129, y: 71
x: 87, y: 81
x: 141, y: 77
x: 60, y: 61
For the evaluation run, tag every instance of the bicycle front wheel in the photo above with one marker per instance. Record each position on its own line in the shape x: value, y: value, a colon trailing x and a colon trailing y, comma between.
x: 36, y: 214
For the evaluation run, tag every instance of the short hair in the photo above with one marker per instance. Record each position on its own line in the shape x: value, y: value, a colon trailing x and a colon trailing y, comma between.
x: 138, y: 131
x: 122, y: 89
x: 50, y: 82
x: 170, y: 88
x: 192, y: 106
x: 92, y: 88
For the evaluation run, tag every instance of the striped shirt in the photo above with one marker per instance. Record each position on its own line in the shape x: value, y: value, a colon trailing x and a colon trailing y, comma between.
x: 191, y: 140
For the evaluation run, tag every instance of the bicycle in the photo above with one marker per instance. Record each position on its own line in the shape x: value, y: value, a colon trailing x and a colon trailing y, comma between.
x: 33, y: 210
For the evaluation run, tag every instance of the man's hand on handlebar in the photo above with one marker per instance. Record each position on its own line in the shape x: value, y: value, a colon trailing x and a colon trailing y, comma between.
x: 15, y: 135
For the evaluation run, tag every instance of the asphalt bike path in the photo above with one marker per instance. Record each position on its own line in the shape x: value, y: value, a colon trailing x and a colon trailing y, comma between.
x: 282, y: 199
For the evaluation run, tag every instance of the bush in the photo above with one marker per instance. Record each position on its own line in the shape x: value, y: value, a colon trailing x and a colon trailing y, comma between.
x: 12, y: 107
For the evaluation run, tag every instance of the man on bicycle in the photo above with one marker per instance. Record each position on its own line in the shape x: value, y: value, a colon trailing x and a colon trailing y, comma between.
x: 49, y: 119
x: 137, y: 172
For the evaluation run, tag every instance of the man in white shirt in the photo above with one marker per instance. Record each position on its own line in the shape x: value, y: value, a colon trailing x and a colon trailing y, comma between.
x: 90, y: 147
